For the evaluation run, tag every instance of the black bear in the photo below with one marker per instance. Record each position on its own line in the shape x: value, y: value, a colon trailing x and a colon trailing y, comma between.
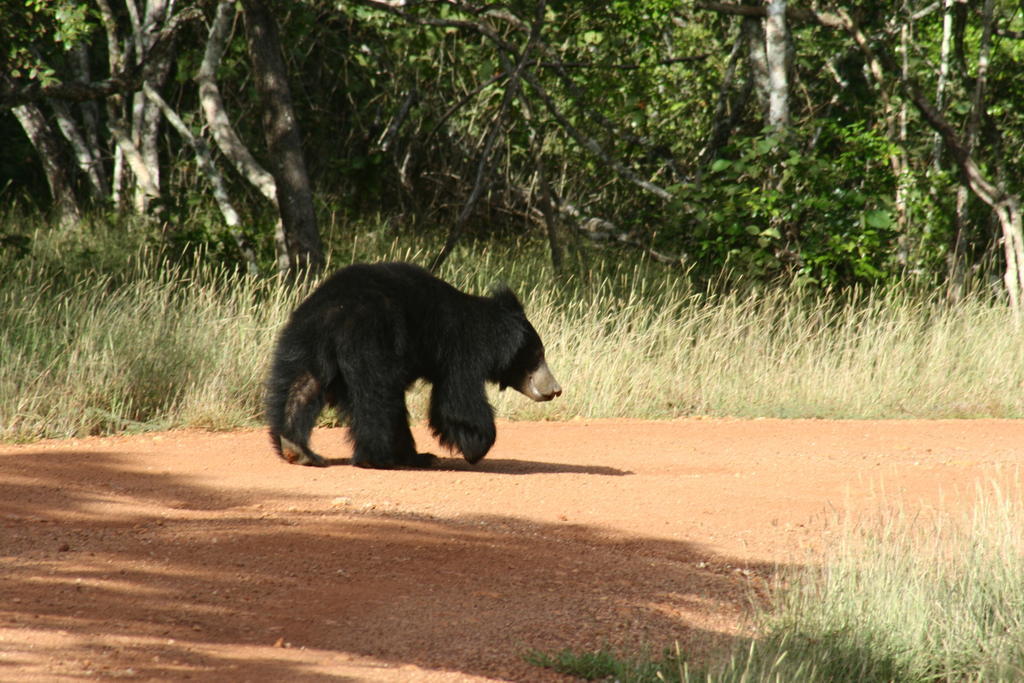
x: 368, y: 332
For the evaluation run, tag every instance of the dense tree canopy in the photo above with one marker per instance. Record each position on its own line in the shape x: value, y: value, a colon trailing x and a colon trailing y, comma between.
x: 847, y: 144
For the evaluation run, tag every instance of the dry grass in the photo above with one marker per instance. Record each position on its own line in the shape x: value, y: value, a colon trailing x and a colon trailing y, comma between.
x: 153, y: 344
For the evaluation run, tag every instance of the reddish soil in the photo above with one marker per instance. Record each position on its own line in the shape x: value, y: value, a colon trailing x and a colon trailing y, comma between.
x: 192, y: 555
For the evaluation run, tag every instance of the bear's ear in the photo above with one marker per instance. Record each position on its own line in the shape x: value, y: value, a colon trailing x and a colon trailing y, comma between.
x: 506, y: 299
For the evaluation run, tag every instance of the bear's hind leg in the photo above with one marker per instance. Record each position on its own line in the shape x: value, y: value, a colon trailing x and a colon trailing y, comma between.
x: 380, y: 432
x: 303, y: 404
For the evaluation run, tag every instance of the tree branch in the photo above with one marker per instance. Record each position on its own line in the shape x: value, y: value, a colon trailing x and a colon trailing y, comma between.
x: 592, y: 145
x: 125, y: 79
x: 228, y: 142
x: 511, y: 90
x: 14, y: 94
x: 798, y: 14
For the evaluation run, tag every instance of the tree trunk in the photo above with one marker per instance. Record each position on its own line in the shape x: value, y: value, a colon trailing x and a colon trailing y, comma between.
x: 547, y: 205
x: 206, y: 165
x: 230, y: 145
x: 1009, y: 212
x: 776, y: 44
x: 956, y: 259
x: 284, y: 143
x: 898, y: 159
x: 48, y: 148
x: 1005, y: 205
x: 90, y: 127
x: 145, y: 120
x: 940, y: 87
x: 757, y: 62
x: 87, y: 158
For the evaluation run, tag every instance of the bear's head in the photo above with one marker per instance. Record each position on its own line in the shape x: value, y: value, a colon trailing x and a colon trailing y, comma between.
x: 525, y: 370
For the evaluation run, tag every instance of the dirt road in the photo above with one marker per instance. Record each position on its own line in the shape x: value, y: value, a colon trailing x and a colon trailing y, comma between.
x: 191, y: 555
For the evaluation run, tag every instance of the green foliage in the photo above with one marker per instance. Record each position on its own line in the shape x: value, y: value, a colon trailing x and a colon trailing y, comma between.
x: 35, y: 32
x: 767, y: 208
x: 394, y: 114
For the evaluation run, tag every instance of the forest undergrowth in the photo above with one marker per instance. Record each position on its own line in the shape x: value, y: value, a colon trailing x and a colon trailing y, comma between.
x: 104, y: 332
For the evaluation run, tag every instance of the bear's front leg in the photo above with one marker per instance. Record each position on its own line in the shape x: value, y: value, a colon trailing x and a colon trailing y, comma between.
x: 462, y: 419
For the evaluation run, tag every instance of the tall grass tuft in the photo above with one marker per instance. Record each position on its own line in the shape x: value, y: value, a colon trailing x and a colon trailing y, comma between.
x: 91, y: 344
x: 169, y: 346
x: 667, y: 352
x: 910, y: 599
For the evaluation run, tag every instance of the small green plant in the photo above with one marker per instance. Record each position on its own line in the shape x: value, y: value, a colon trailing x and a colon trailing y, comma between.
x: 604, y: 664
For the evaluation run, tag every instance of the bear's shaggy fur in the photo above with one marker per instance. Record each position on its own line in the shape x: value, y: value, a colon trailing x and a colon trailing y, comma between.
x: 368, y: 332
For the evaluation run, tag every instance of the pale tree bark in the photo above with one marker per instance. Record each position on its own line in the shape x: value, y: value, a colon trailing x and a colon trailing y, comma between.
x: 145, y: 50
x: 224, y: 134
x: 943, y: 79
x: 757, y: 61
x: 209, y: 169
x: 899, y: 159
x: 956, y: 265
x: 84, y: 139
x: 776, y: 44
x: 146, y: 53
x: 1006, y: 205
x: 114, y: 103
x: 130, y: 154
x: 88, y: 159
x: 284, y: 143
x: 127, y: 152
x: 90, y: 111
x: 215, y: 113
x: 48, y: 148
x: 146, y: 117
x: 133, y: 57
x: 981, y: 75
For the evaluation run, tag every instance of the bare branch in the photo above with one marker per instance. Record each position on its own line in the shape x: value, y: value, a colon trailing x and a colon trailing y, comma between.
x: 75, y: 91
x: 220, y: 193
x: 387, y: 138
x: 228, y: 141
x: 36, y: 127
x: 511, y: 91
x: 124, y: 79
x: 776, y: 42
x: 592, y: 145
x: 601, y: 230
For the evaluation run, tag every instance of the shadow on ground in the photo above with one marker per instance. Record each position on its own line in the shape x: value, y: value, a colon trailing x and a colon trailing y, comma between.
x: 505, y: 466
x: 107, y: 571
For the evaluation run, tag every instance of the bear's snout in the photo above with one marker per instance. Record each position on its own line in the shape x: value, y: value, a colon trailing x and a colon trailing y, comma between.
x: 541, y: 385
